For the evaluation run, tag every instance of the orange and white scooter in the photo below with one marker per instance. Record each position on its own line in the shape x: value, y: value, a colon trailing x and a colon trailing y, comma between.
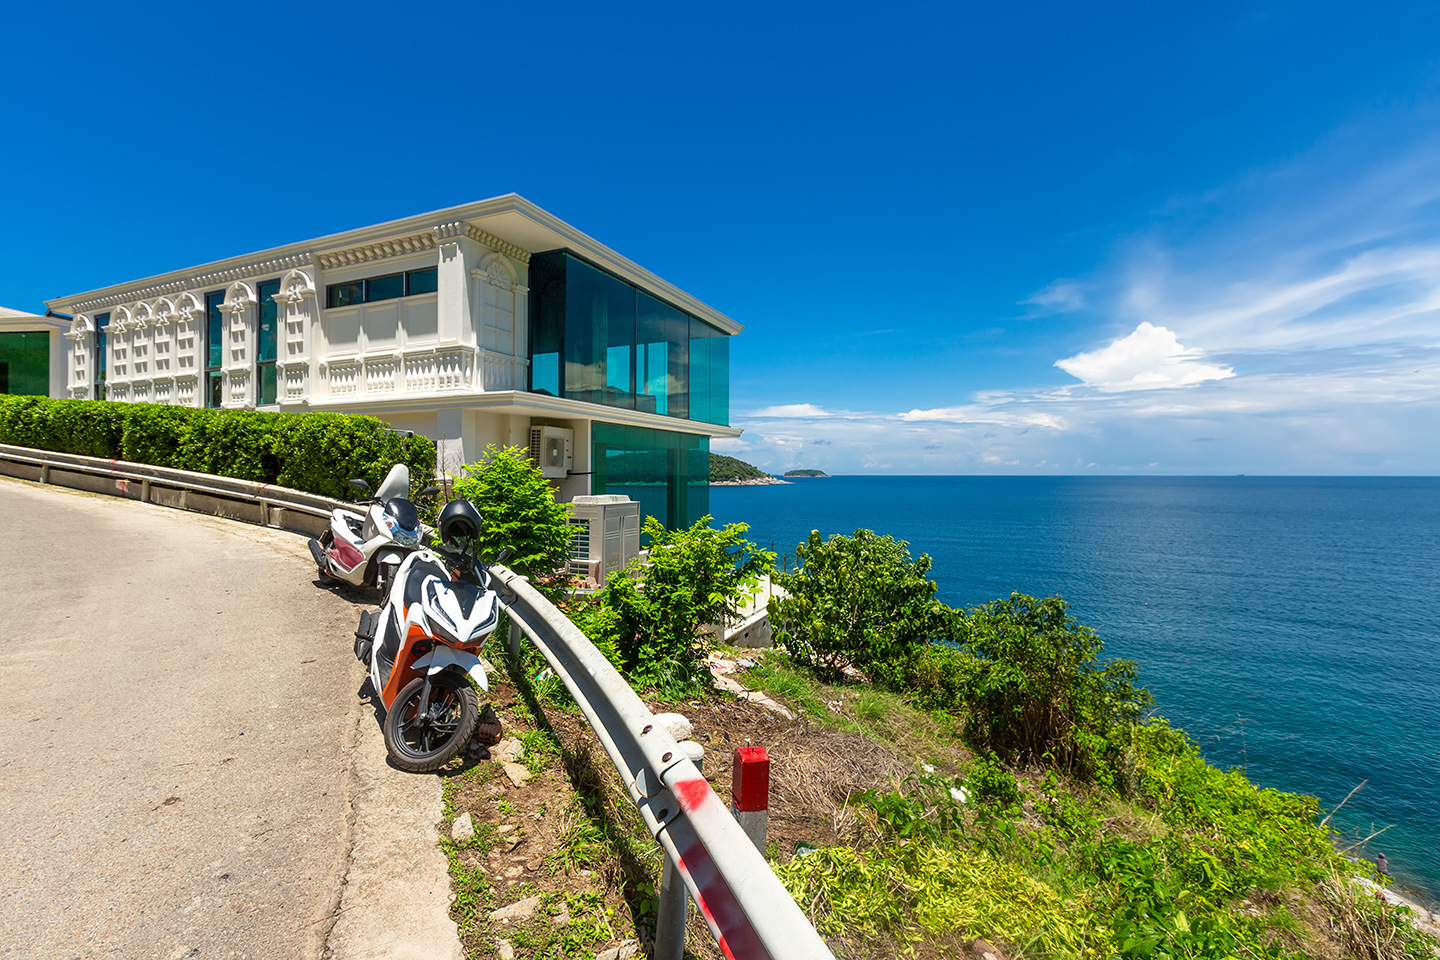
x: 422, y: 646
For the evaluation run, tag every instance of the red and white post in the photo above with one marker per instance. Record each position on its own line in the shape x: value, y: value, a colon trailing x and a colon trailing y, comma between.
x: 750, y: 793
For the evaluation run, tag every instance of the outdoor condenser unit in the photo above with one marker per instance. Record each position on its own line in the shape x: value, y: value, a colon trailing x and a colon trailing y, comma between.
x: 552, y: 450
x: 605, y: 535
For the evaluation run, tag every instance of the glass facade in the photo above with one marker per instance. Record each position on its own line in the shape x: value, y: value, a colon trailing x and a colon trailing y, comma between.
x: 597, y: 338
x: 668, y: 474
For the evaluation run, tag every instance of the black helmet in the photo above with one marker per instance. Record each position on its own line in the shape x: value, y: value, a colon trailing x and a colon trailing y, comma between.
x: 459, y: 521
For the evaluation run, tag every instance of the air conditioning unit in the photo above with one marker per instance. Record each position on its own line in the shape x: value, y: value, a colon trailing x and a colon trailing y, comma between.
x: 552, y: 450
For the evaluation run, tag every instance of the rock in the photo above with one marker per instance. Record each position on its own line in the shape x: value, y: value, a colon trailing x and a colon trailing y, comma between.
x: 512, y: 872
x: 518, y: 775
x: 626, y: 950
x: 510, y: 750
x: 504, y: 950
x: 504, y: 828
x: 463, y: 828
x: 561, y: 919
x: 987, y: 951
x: 676, y: 725
x: 521, y: 910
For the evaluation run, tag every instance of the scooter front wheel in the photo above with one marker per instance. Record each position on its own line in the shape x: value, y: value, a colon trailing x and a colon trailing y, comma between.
x: 423, y: 741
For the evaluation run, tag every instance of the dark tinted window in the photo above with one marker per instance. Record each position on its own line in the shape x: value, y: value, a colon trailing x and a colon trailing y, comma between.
x: 421, y: 281
x: 385, y: 288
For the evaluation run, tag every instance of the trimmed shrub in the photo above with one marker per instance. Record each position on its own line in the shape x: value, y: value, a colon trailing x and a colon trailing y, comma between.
x: 314, y: 452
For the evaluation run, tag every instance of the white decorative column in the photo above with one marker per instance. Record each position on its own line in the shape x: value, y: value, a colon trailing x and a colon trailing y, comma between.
x: 82, y: 351
x: 189, y: 319
x: 299, y: 312
x: 452, y: 292
x: 238, y: 362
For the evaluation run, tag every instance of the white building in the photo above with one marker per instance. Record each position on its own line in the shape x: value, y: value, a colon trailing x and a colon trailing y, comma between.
x: 492, y: 322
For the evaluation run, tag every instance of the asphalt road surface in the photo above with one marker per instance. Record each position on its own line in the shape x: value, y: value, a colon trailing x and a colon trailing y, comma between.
x: 177, y: 758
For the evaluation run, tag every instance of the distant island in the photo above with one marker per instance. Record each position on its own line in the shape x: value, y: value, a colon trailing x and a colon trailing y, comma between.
x: 806, y: 473
x: 729, y: 472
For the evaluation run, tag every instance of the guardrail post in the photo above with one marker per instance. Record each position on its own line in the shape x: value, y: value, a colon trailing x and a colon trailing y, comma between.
x: 750, y: 793
x: 674, y: 898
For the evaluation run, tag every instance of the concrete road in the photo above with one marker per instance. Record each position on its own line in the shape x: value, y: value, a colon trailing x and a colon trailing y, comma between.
x: 186, y: 769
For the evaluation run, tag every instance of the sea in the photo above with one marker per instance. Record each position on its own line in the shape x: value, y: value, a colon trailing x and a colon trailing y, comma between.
x: 1290, y: 625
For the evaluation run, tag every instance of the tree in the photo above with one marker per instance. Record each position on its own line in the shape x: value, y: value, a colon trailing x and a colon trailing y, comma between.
x: 856, y: 601
x: 519, y: 511
x: 1036, y: 691
x: 650, y: 616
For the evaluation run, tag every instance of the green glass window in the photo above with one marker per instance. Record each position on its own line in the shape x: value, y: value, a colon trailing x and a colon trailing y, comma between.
x: 709, y: 374
x: 385, y: 288
x: 547, y: 322
x: 668, y: 474
x: 102, y: 320
x: 662, y: 336
x: 215, y: 346
x: 25, y: 360
x: 267, y: 334
x: 599, y: 335
x: 344, y: 294
x: 421, y: 281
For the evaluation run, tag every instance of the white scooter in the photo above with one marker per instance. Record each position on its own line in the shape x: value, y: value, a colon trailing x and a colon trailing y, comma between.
x: 367, y: 552
x: 424, y: 642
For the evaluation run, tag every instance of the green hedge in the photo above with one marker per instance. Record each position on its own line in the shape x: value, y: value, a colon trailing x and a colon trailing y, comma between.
x: 314, y: 452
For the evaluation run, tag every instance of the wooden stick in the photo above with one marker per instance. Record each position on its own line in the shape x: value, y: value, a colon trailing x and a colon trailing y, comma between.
x: 1343, y: 802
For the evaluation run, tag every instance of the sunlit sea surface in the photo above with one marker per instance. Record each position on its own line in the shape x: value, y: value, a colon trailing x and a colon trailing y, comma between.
x: 1291, y: 626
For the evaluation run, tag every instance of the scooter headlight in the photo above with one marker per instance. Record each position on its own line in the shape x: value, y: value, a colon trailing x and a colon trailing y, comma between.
x: 406, y: 538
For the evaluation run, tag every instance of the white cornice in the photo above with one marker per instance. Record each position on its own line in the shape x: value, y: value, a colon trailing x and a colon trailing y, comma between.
x: 109, y: 297
x: 364, y: 253
x: 498, y: 245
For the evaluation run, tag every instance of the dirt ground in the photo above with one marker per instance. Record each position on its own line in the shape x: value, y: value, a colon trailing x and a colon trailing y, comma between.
x: 570, y: 837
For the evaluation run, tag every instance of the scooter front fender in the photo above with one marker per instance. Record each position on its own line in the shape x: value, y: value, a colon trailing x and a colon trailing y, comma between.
x: 442, y: 658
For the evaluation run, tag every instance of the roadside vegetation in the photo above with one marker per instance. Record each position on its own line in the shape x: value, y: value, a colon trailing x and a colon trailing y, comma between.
x: 314, y: 452
x: 950, y: 776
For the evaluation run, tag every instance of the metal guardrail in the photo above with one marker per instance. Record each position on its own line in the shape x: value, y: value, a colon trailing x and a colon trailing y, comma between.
x: 262, y: 503
x: 750, y: 913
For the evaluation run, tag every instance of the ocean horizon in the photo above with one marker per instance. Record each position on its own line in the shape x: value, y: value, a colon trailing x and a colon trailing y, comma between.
x: 1290, y: 625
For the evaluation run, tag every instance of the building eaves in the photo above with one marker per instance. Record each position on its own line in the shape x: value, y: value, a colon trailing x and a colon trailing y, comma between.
x: 510, y: 218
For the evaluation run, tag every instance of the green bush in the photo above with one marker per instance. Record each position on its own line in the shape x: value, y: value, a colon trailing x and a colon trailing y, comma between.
x: 1036, y: 691
x: 519, y: 511
x: 856, y: 601
x: 649, y: 618
x: 314, y: 452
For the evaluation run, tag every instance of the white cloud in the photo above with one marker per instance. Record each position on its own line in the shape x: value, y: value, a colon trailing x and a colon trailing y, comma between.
x: 1061, y: 296
x: 1150, y: 358
x: 792, y: 410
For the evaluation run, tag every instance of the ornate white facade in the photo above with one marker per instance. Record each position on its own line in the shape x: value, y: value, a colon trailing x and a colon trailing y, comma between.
x: 448, y: 357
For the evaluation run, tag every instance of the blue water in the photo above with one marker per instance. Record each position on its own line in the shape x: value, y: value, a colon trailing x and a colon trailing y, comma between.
x: 1291, y: 626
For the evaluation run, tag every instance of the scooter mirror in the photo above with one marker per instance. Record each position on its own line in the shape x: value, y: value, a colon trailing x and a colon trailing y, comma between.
x: 504, y: 555
x: 360, y: 485
x: 427, y: 492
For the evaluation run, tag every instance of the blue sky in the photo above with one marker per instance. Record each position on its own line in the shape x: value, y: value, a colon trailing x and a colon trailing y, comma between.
x: 1049, y: 238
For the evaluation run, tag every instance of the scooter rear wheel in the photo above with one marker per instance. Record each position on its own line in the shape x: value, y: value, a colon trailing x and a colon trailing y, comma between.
x: 327, y: 539
x: 419, y: 742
